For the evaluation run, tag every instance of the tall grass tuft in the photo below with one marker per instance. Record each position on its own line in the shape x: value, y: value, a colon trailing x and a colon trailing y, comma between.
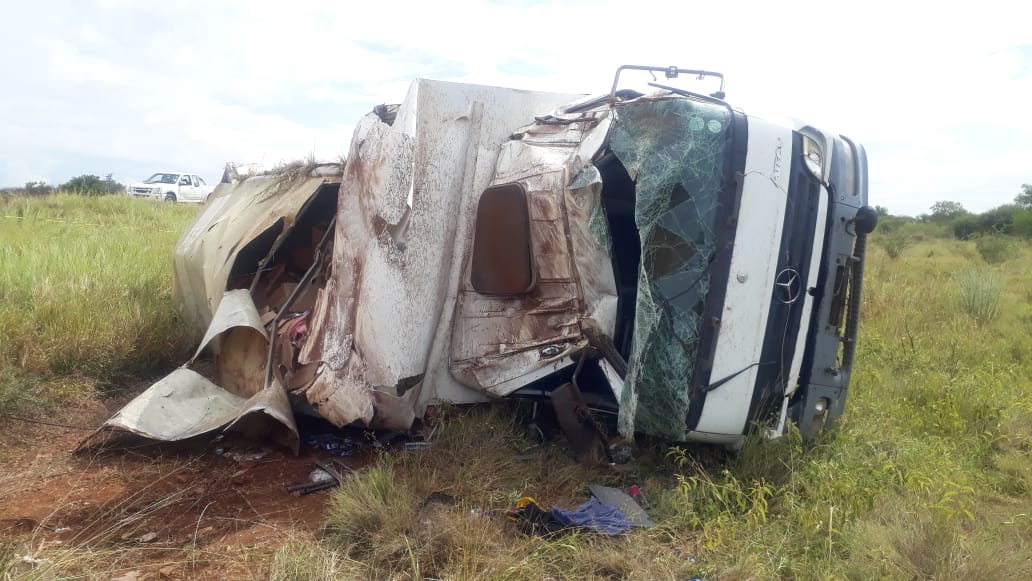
x: 980, y: 294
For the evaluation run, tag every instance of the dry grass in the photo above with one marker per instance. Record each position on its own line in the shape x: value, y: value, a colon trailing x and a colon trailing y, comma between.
x: 442, y: 513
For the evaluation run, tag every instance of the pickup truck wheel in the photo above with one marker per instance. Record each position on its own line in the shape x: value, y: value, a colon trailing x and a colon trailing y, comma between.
x: 170, y: 197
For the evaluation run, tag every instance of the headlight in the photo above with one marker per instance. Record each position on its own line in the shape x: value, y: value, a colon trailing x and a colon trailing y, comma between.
x: 814, y: 158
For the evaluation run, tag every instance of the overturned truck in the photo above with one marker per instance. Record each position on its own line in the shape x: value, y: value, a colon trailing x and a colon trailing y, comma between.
x: 660, y: 258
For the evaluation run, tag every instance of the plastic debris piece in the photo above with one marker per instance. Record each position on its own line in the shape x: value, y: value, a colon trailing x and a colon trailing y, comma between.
x: 342, y: 446
x: 320, y: 475
x: 638, y: 496
x: 621, y: 500
x: 241, y: 456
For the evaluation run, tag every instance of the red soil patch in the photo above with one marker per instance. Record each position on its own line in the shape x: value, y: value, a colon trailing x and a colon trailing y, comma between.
x: 167, y: 513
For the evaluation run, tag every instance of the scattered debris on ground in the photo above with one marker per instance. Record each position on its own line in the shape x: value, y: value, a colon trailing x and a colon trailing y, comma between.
x: 609, y: 511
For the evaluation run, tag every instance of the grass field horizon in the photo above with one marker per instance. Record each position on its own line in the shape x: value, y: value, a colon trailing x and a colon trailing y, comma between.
x: 927, y: 476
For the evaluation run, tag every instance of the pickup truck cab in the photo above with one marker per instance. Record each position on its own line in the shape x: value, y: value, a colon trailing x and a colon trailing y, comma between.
x: 173, y: 187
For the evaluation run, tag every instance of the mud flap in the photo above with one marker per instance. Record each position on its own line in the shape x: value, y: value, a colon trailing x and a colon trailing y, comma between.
x: 574, y: 419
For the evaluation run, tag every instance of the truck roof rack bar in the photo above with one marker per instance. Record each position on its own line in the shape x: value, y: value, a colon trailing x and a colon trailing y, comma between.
x: 670, y: 73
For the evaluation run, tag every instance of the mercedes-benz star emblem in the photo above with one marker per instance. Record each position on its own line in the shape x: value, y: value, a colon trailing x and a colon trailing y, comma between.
x: 787, y: 286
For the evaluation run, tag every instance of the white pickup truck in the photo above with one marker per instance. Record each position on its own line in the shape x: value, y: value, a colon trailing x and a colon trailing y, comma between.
x: 173, y: 187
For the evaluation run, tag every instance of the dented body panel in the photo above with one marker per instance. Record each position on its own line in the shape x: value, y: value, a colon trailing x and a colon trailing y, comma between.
x: 658, y: 251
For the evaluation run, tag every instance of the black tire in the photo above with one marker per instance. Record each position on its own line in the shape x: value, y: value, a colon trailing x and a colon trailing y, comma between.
x: 170, y: 197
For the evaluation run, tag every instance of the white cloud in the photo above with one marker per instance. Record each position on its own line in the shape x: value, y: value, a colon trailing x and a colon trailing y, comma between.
x: 936, y: 92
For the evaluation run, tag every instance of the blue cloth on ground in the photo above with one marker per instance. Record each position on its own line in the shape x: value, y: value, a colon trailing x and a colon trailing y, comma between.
x: 595, y: 516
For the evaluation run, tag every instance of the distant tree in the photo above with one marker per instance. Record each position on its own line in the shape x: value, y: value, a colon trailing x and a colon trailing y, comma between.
x: 1022, y: 225
x: 111, y: 186
x: 881, y: 211
x: 38, y: 188
x: 945, y: 210
x: 91, y: 185
x: 85, y: 185
x: 1024, y: 199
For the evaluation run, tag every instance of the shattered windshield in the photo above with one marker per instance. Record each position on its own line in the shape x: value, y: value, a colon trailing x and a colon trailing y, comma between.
x: 161, y: 178
x: 675, y: 151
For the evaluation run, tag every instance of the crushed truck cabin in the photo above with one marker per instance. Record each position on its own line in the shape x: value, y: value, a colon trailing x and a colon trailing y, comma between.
x: 661, y: 259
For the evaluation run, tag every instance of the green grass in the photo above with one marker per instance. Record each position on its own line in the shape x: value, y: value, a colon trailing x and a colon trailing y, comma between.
x: 927, y: 476
x: 85, y: 289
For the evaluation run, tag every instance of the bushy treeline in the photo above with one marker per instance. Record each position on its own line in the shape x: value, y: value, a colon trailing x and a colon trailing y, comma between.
x: 1011, y: 219
x: 84, y: 185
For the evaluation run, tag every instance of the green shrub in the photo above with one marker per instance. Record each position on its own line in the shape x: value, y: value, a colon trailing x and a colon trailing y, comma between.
x: 993, y: 248
x: 1022, y: 225
x: 894, y: 243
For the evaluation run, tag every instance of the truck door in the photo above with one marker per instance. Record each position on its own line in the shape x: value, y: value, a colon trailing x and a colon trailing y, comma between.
x: 185, y: 188
x: 196, y: 191
x: 519, y: 304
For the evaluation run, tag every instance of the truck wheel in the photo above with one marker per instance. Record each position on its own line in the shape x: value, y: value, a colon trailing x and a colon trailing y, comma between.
x: 170, y: 197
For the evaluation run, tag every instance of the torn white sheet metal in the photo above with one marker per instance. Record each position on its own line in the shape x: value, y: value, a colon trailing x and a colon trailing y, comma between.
x: 184, y: 404
x: 407, y: 201
x: 236, y: 215
x: 268, y: 415
x: 394, y: 325
x: 236, y: 309
x: 240, y: 344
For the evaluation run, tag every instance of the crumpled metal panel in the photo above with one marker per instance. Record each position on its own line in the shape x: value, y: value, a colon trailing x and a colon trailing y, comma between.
x: 674, y: 149
x: 236, y: 309
x: 497, y: 339
x: 234, y: 216
x: 241, y: 349
x: 395, y: 312
x: 184, y: 404
x: 181, y: 405
x: 405, y: 212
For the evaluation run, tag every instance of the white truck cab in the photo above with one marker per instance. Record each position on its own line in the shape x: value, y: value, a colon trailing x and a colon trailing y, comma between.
x: 736, y: 250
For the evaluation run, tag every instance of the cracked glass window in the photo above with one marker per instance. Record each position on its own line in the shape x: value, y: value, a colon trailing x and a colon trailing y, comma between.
x: 675, y: 150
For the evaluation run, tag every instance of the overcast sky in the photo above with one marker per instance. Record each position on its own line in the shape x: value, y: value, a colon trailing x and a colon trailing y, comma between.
x: 940, y: 95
